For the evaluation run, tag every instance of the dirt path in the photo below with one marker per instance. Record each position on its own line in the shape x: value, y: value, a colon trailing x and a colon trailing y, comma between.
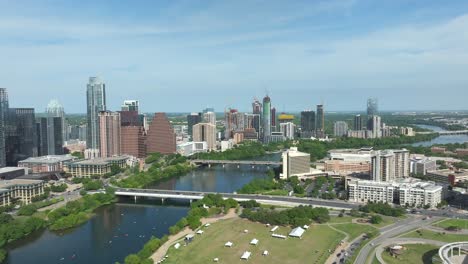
x: 161, y: 252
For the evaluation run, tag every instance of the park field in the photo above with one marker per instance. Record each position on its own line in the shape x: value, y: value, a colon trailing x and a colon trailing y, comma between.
x: 312, y: 248
x: 413, y: 254
x: 438, y: 236
x: 460, y: 223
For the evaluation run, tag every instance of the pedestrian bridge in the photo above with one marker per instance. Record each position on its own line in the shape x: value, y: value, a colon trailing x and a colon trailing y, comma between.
x: 265, y: 199
x: 237, y: 162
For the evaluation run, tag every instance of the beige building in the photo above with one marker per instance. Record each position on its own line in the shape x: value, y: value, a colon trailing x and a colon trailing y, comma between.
x: 295, y: 163
x: 389, y: 165
x: 21, y: 190
x: 109, y: 132
x: 50, y: 163
x: 370, y: 191
x: 347, y: 167
x: 205, y: 132
x: 95, y: 167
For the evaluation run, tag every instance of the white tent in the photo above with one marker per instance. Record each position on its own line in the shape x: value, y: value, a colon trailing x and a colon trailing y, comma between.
x: 177, y: 246
x: 265, y: 253
x: 246, y: 255
x: 297, y: 232
x: 228, y: 244
x: 274, y: 229
x: 254, y: 241
x: 278, y: 236
x: 305, y: 227
x: 200, y: 232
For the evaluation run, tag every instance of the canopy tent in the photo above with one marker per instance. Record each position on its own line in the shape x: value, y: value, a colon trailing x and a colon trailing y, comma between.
x: 265, y: 253
x: 228, y: 244
x: 278, y: 236
x: 254, y: 241
x: 200, y: 232
x: 274, y: 229
x: 246, y: 255
x: 177, y: 246
x: 297, y: 232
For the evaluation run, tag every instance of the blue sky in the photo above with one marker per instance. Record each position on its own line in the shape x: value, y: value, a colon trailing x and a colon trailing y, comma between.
x: 186, y: 55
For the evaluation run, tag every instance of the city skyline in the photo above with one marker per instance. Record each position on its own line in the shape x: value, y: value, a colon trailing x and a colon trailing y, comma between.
x: 302, y: 54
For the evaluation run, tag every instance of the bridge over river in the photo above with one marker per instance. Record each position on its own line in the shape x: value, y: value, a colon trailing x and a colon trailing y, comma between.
x: 237, y: 162
x: 265, y: 199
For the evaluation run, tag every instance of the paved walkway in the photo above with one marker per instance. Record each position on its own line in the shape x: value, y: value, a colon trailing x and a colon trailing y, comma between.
x: 161, y: 252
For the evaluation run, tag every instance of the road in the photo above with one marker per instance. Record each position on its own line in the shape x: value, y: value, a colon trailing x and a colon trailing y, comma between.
x: 400, y: 227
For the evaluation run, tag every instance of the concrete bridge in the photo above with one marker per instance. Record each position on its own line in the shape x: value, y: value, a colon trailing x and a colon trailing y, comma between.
x: 237, y: 162
x: 446, y: 133
x: 264, y: 199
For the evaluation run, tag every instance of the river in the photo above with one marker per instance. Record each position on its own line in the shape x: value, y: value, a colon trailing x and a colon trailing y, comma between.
x: 122, y: 228
x: 445, y: 139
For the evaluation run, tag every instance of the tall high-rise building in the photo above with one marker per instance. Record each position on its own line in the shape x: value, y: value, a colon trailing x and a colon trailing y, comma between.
x: 96, y: 102
x: 375, y: 125
x: 273, y: 118
x: 41, y: 135
x: 130, y: 105
x: 340, y: 128
x: 21, y: 139
x: 110, y: 134
x: 389, y: 165
x: 3, y: 123
x: 193, y: 119
x: 256, y: 107
x: 55, y: 109
x: 209, y: 117
x: 234, y: 122
x: 208, y: 109
x: 205, y: 132
x: 320, y: 122
x: 54, y: 136
x: 372, y: 110
x: 161, y: 137
x: 357, y: 122
x: 266, y: 117
x: 133, y: 141
x: 307, y: 123
x: 288, y: 129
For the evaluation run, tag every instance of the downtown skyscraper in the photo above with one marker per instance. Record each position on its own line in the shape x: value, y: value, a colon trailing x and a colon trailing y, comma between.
x: 320, y: 122
x: 3, y: 124
x: 266, y: 117
x: 307, y: 123
x: 55, y: 109
x: 96, y: 102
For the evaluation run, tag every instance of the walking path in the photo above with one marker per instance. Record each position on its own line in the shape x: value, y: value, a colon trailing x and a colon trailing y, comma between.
x: 161, y: 252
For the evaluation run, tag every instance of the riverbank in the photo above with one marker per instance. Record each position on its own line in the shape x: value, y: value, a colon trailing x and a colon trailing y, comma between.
x: 172, y: 239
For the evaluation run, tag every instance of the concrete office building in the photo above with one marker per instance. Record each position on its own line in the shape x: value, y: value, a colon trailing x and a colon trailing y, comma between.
x: 95, y: 167
x: 190, y: 148
x: 49, y: 163
x: 266, y: 118
x: 447, y: 176
x: 130, y: 106
x: 422, y: 165
x: 96, y: 103
x: 361, y: 191
x: 288, y: 129
x: 351, y: 155
x: 133, y: 141
x: 161, y: 137
x: 295, y: 163
x: 110, y: 134
x: 205, y: 132
x: 21, y: 190
x: 193, y: 119
x: 348, y: 168
x: 419, y: 194
x: 320, y: 122
x: 340, y: 128
x: 9, y: 173
x: 55, y: 109
x: 256, y: 107
x: 376, y: 127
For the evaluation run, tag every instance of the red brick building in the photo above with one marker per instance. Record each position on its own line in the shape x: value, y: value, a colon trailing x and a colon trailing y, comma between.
x: 161, y: 137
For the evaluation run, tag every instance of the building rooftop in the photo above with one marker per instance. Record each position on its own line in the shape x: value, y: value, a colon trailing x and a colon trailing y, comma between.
x: 100, y: 161
x: 48, y: 159
x: 10, y: 169
x: 4, y: 184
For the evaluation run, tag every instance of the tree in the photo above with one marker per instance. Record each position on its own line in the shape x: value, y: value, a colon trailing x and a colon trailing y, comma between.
x: 132, y: 259
x: 376, y: 219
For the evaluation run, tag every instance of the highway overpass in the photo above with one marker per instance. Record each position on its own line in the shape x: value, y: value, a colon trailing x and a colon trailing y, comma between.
x: 265, y: 199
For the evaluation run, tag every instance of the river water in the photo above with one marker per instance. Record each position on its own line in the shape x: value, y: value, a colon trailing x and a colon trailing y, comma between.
x: 445, y: 139
x: 120, y: 229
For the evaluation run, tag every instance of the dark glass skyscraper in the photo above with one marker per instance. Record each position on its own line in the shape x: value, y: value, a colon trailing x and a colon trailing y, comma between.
x: 308, y: 121
x: 96, y: 102
x: 193, y: 119
x: 320, y: 122
x: 21, y: 139
x: 372, y: 110
x: 357, y: 122
x: 3, y: 117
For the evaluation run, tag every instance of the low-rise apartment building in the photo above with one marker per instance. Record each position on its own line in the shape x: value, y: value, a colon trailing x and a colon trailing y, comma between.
x: 47, y: 163
x: 95, y: 167
x: 22, y: 190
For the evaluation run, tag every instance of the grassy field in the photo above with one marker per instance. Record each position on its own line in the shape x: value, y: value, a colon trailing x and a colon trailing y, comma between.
x: 437, y: 236
x: 460, y: 223
x: 344, y: 219
x: 413, y: 254
x: 312, y: 248
x: 354, y: 230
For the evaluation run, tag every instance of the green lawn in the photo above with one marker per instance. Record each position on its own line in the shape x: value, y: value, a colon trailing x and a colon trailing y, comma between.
x: 354, y: 230
x: 344, y: 219
x: 312, y: 248
x: 460, y: 223
x: 439, y: 236
x: 413, y: 254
